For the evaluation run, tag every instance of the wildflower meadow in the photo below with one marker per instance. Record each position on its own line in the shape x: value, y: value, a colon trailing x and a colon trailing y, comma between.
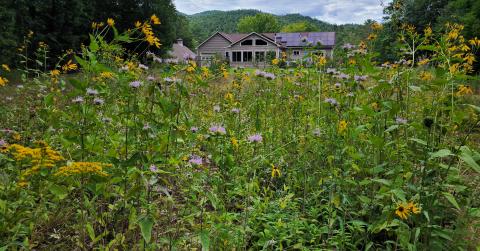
x: 114, y: 150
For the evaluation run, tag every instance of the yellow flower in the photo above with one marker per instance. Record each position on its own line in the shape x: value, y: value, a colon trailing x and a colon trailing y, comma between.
x: 154, y: 19
x: 75, y: 168
x: 275, y: 61
x: 110, y: 22
x: 423, y: 61
x: 138, y: 24
x: 106, y: 75
x: 225, y: 73
x: 454, y: 68
x: 426, y: 76
x: 16, y: 136
x: 474, y: 42
x: 322, y: 60
x: 469, y: 58
x: 464, y: 90
x: 54, y: 73
x: 402, y: 211
x: 372, y: 36
x: 275, y: 171
x: 342, y: 126
x: 412, y: 207
x: 352, y: 61
x: 205, y: 72
x: 5, y: 67
x: 376, y: 26
x: 229, y: 97
x: 428, y: 31
x: 3, y: 81
x: 234, y: 142
x: 69, y: 66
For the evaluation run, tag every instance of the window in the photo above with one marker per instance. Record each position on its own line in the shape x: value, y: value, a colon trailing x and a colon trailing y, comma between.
x: 227, y: 55
x: 247, y: 56
x: 260, y: 56
x: 260, y: 42
x: 236, y: 56
x: 247, y: 42
x: 296, y: 53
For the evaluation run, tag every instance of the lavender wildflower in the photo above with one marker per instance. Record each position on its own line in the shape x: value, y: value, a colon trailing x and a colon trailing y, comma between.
x: 331, y: 101
x: 235, y: 110
x: 195, y: 159
x: 256, y: 138
x: 92, y: 92
x: 401, y: 121
x: 153, y: 168
x: 135, y: 84
x: 194, y: 129
x: 98, y: 101
x: 78, y: 100
x: 142, y: 66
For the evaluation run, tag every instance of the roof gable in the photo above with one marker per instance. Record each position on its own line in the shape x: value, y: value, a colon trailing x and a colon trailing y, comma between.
x: 269, y: 39
x: 216, y: 33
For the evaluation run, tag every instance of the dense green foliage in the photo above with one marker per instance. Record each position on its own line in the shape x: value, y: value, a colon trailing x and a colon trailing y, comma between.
x: 63, y: 25
x: 426, y: 13
x: 339, y: 154
x: 262, y: 23
x: 300, y: 27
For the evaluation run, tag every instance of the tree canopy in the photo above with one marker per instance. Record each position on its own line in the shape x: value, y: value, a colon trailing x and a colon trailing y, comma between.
x: 64, y: 24
x: 261, y: 22
x: 303, y: 26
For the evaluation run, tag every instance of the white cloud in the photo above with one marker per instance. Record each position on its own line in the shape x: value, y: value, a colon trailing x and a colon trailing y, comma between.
x: 333, y: 11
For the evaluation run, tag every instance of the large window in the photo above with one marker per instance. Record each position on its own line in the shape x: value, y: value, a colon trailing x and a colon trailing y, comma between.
x: 247, y: 42
x: 260, y: 42
x: 296, y: 53
x: 260, y: 56
x: 236, y: 56
x: 247, y: 56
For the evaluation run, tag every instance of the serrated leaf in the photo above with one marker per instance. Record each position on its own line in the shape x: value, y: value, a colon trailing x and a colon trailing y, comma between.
x: 60, y: 191
x: 451, y: 199
x: 467, y: 158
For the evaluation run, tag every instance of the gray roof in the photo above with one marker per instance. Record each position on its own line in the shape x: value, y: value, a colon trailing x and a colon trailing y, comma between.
x: 300, y: 39
x: 181, y: 52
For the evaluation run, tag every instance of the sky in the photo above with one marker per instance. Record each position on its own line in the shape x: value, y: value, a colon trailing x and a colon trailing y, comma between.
x: 332, y: 11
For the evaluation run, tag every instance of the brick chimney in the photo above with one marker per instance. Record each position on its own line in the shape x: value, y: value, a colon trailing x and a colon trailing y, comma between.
x: 180, y: 41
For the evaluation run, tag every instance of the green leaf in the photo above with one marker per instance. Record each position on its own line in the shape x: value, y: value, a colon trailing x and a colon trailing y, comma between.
x: 440, y: 154
x: 451, y: 199
x: 467, y: 158
x: 391, y: 128
x: 419, y: 141
x: 60, y: 191
x: 93, y: 44
x: 90, y: 231
x: 383, y: 181
x: 146, y: 225
x: 205, y: 240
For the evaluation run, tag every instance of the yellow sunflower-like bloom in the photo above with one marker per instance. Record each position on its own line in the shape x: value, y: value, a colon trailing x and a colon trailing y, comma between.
x: 402, y: 211
x: 154, y: 19
x: 275, y: 171
x: 342, y: 126
x: 110, y: 22
x: 3, y: 81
